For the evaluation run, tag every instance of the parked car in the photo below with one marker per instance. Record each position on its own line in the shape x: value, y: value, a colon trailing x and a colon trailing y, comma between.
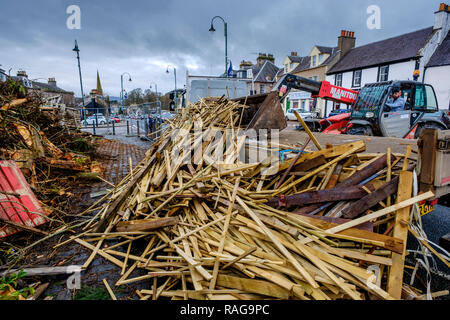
x: 290, y: 115
x: 92, y: 119
x: 339, y: 111
x: 165, y: 115
x: 115, y: 119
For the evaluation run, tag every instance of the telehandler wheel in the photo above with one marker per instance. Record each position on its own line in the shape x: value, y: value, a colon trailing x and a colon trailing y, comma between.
x: 360, y: 131
x: 427, y: 125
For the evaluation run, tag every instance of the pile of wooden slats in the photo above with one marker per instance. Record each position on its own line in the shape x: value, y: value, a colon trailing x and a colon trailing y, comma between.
x: 333, y: 227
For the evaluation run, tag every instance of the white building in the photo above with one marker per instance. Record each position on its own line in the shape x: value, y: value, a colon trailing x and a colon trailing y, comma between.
x: 398, y: 58
x: 437, y: 73
x: 3, y: 75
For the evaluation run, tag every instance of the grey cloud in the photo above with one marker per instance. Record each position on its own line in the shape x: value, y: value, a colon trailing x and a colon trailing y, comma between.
x: 142, y: 37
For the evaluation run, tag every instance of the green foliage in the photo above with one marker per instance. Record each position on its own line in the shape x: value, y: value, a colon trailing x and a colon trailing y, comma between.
x: 92, y: 293
x: 11, y: 281
x: 81, y: 161
x: 13, y: 88
x: 80, y: 145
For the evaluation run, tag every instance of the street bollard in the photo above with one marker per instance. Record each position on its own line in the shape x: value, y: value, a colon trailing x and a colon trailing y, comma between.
x: 128, y: 127
x: 114, y: 127
x: 137, y: 126
x: 93, y: 128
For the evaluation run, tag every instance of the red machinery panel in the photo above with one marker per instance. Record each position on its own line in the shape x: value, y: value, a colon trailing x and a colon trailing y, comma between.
x: 337, y: 94
x: 23, y: 207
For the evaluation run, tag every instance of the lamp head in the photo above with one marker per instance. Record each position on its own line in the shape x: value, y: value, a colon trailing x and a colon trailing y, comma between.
x: 76, y: 47
x: 212, y: 28
x: 167, y: 71
x: 129, y: 79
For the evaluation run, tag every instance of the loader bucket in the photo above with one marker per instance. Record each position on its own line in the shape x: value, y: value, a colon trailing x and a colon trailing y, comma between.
x: 264, y: 112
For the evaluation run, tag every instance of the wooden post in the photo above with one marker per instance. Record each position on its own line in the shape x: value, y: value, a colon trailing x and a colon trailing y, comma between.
x: 395, y: 279
x: 310, y: 134
x: 427, y: 151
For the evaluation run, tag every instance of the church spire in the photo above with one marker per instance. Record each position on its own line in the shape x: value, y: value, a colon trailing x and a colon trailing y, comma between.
x: 99, y: 85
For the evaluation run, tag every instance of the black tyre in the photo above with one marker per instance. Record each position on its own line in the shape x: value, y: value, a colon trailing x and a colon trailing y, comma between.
x: 427, y: 125
x: 360, y: 131
x: 102, y: 122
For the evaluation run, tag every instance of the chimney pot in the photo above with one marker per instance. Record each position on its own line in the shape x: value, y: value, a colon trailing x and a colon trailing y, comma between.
x: 443, y: 7
x: 294, y: 53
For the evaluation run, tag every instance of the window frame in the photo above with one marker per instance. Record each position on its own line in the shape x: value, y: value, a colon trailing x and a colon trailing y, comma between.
x: 341, y: 76
x: 379, y: 73
x: 354, y: 85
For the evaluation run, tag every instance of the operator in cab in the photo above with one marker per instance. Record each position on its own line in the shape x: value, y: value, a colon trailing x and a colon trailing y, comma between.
x: 396, y: 101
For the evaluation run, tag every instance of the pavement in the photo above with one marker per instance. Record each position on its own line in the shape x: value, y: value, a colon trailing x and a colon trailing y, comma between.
x: 122, y: 135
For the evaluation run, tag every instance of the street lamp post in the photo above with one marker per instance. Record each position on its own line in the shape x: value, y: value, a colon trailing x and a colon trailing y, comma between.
x: 121, y: 86
x: 226, y: 39
x: 81, y: 80
x: 175, y: 95
x: 158, y: 103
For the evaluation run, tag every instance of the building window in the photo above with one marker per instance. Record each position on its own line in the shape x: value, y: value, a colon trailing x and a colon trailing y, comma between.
x: 357, y: 78
x: 291, y: 66
x: 314, y: 61
x: 320, y: 58
x: 383, y: 73
x: 262, y: 88
x: 338, y: 80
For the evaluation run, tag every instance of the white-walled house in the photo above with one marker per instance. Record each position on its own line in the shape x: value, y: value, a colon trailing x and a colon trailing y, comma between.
x: 3, y: 75
x: 437, y: 73
x: 398, y: 58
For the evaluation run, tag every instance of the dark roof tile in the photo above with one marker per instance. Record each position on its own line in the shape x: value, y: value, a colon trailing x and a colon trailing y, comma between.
x: 305, y: 64
x: 441, y: 56
x: 323, y: 49
x: 267, y: 70
x: 295, y: 59
x: 399, y: 48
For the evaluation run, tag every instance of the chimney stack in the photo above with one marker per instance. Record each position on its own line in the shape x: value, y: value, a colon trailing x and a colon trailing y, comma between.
x: 294, y: 53
x: 346, y: 41
x: 442, y: 21
x: 262, y: 58
x: 22, y: 74
x: 52, y: 82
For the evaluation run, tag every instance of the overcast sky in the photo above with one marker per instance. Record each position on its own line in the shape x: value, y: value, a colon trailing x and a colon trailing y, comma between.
x: 142, y: 37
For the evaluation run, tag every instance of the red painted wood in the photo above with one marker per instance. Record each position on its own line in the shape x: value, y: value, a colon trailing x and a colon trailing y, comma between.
x: 24, y: 209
